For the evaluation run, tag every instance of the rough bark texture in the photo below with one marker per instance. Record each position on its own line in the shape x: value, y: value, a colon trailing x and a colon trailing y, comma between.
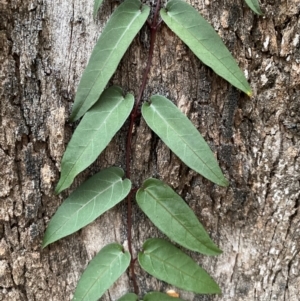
x: 45, y: 45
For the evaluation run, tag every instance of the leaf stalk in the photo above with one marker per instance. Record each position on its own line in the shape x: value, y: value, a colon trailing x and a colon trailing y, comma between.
x: 154, y: 25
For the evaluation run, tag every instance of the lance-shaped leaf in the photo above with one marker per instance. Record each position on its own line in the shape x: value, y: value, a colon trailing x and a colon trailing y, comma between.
x: 170, y: 214
x: 203, y: 40
x: 97, y: 4
x: 129, y: 297
x: 180, y: 135
x: 104, y: 269
x: 94, y: 133
x: 157, y: 296
x: 164, y: 261
x: 254, y: 5
x: 122, y: 27
x: 95, y: 196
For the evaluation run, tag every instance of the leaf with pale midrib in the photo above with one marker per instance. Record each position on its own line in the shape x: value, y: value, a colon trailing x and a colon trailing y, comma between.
x: 94, y: 197
x: 104, y: 269
x: 165, y: 262
x: 170, y: 214
x: 94, y: 133
x: 180, y: 135
x: 203, y: 40
x: 120, y: 30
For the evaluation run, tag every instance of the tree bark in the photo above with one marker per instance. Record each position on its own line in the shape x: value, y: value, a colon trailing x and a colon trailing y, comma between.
x: 45, y: 45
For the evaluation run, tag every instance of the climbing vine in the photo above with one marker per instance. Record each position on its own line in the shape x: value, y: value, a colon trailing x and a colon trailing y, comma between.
x: 104, y: 110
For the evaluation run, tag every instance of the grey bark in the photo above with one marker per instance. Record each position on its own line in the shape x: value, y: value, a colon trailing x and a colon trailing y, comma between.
x: 45, y: 45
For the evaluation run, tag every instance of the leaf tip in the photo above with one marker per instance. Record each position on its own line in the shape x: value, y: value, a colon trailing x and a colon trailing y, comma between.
x: 250, y: 93
x: 45, y: 243
x: 212, y: 250
x: 226, y: 183
x: 223, y: 182
x: 76, y: 113
x: 217, y: 251
x: 72, y: 117
x: 61, y: 185
x: 57, y: 189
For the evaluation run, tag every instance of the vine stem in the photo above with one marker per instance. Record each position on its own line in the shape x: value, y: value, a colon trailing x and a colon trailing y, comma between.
x: 133, y: 116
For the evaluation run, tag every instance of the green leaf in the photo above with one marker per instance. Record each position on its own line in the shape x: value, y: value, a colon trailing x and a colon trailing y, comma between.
x: 180, y: 135
x: 203, y: 40
x: 254, y: 5
x: 157, y: 296
x: 129, y: 297
x: 104, y: 269
x: 170, y: 214
x: 97, y: 4
x: 94, y: 133
x: 122, y: 27
x: 95, y: 196
x: 164, y: 261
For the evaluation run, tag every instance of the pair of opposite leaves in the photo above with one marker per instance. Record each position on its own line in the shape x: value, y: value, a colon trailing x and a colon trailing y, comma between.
x: 160, y: 258
x: 123, y: 26
x: 116, y: 37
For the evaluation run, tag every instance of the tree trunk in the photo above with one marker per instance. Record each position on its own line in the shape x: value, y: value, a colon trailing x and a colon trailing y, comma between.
x: 45, y: 45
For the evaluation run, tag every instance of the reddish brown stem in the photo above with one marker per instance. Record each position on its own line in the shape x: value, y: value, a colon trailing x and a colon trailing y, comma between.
x: 133, y: 116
